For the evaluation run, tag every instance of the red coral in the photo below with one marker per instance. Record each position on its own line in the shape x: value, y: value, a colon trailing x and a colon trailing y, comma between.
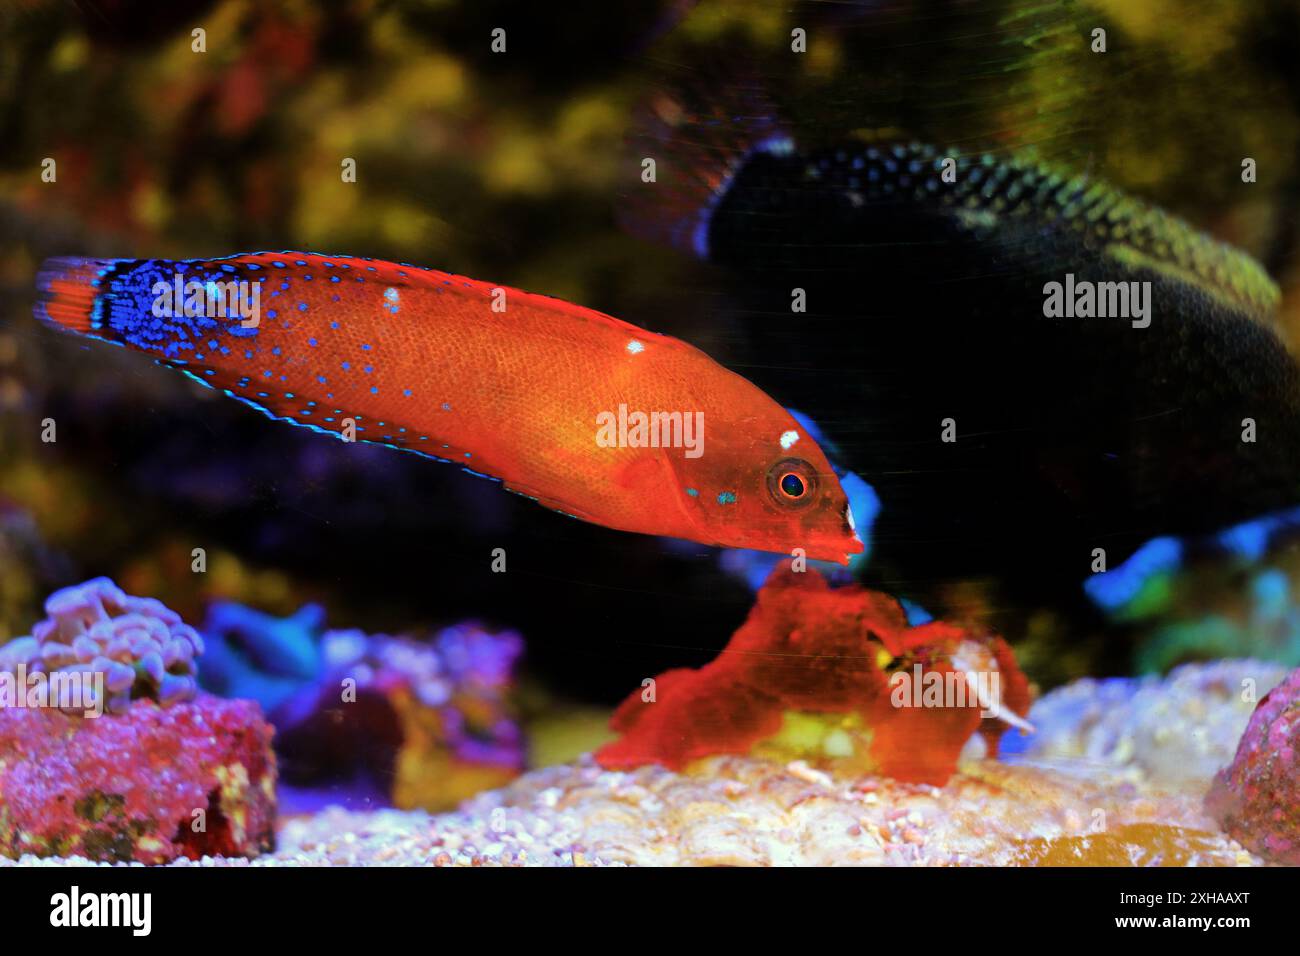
x: 807, y: 647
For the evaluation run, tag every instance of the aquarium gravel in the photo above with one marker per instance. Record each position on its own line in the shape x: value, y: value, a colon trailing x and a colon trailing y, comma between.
x: 750, y: 811
x: 742, y: 811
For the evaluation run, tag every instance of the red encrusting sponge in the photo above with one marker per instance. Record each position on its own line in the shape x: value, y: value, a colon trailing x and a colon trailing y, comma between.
x: 812, y: 649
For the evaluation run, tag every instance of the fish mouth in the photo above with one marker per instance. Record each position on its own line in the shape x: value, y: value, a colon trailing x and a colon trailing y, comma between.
x: 841, y: 548
x: 838, y: 550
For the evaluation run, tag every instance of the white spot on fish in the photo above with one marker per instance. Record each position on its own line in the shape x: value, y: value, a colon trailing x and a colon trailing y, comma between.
x: 789, y: 438
x: 635, y: 347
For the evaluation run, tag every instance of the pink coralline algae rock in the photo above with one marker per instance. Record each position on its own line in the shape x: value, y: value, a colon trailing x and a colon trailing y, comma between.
x: 142, y: 648
x: 144, y: 770
x: 1257, y: 798
x: 192, y: 779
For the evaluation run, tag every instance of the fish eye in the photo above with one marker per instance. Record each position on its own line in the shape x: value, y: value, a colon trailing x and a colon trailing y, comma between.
x: 792, y: 482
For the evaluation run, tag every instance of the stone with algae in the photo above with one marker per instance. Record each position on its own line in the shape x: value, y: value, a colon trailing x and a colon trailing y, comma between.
x: 192, y: 779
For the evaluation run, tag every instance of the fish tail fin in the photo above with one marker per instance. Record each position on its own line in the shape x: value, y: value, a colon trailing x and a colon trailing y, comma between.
x: 698, y: 144
x: 162, y: 306
x: 68, y: 288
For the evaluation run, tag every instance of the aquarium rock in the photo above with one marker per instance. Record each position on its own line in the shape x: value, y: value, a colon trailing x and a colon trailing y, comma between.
x: 1176, y: 731
x: 426, y: 722
x: 432, y: 721
x: 192, y: 779
x: 1257, y: 798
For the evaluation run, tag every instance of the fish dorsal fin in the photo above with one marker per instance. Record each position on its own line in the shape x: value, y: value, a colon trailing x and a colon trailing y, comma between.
x: 988, y: 189
x: 1133, y: 232
x: 403, y: 275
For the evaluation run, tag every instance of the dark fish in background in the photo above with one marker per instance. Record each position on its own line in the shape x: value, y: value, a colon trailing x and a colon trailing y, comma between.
x: 922, y: 305
x: 925, y: 302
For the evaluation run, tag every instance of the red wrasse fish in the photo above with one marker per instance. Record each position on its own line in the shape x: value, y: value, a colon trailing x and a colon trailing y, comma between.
x: 585, y: 413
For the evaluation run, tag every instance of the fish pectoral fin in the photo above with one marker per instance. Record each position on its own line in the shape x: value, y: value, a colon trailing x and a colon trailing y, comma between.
x: 641, y: 471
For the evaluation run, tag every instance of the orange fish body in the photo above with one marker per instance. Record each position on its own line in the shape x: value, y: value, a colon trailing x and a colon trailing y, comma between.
x: 585, y: 413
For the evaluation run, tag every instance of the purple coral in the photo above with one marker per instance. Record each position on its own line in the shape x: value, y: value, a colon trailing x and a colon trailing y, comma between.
x: 142, y: 647
x: 1257, y: 798
x: 463, y: 662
